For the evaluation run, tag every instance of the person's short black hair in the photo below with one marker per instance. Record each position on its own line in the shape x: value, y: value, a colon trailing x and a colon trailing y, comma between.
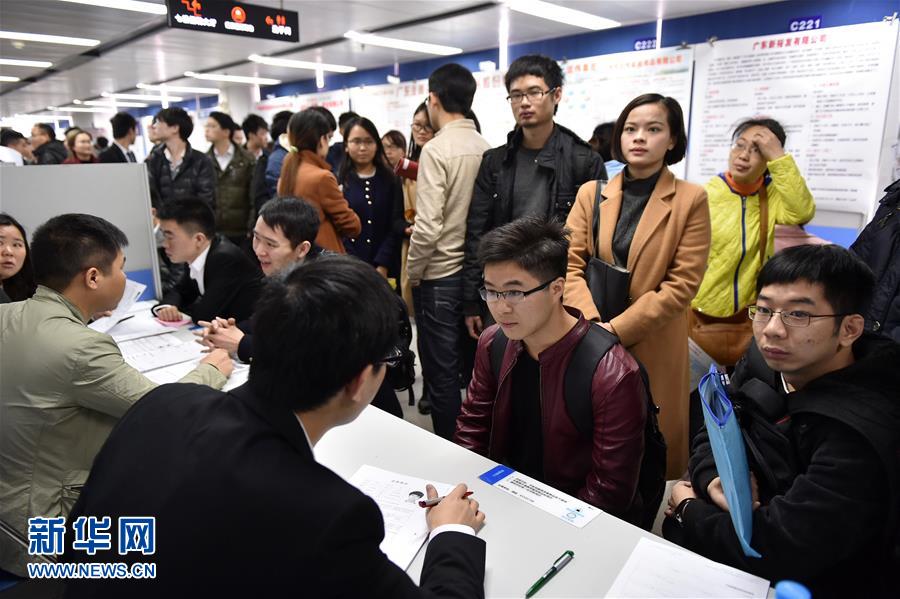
x: 770, y: 124
x: 102, y: 142
x: 67, y: 245
x: 122, y: 123
x: 177, y: 116
x: 602, y: 136
x: 454, y: 86
x: 538, y: 65
x: 329, y: 116
x: 253, y: 123
x: 224, y: 121
x: 10, y: 136
x: 847, y: 281
x: 675, y: 120
x: 193, y: 215
x: 297, y: 219
x: 345, y: 118
x: 48, y: 129
x: 279, y: 124
x: 317, y: 327
x: 397, y: 138
x: 21, y: 285
x: 539, y: 246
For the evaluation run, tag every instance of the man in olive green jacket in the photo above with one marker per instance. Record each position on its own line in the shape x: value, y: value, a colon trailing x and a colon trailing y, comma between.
x: 63, y: 386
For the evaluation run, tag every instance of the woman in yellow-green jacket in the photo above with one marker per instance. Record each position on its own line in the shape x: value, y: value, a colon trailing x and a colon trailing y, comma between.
x: 761, y: 180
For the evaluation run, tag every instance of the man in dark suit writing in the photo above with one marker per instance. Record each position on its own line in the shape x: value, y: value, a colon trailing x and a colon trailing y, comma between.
x: 240, y: 503
x: 220, y: 278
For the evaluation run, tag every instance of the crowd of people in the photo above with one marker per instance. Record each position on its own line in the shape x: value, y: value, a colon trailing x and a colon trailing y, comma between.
x: 533, y: 270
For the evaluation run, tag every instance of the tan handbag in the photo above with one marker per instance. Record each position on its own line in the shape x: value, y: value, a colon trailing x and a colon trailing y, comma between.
x: 726, y: 339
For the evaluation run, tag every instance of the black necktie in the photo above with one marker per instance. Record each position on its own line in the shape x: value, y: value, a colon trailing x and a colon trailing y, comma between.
x: 131, y: 157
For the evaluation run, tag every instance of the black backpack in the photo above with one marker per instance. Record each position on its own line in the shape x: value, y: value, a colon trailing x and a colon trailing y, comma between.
x: 403, y: 376
x: 579, y: 405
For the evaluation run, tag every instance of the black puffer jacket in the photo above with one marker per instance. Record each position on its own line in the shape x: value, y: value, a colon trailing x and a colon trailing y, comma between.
x: 196, y: 177
x: 832, y: 522
x: 52, y: 152
x: 572, y: 163
x: 879, y: 246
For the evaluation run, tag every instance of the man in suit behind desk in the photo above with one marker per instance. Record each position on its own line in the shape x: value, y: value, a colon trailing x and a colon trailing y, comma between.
x: 220, y: 279
x: 124, y: 127
x: 239, y: 500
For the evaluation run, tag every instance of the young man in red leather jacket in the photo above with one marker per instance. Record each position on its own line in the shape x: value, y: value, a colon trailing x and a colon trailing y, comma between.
x: 521, y: 419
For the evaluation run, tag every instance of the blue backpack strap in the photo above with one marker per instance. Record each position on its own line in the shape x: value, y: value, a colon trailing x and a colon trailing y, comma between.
x: 498, y: 348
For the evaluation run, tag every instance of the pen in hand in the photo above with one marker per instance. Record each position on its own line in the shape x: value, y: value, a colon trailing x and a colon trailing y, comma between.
x: 558, y: 565
x: 437, y: 500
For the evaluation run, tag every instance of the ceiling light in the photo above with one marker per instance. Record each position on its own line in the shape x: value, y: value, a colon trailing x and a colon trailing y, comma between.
x: 142, y: 97
x: 133, y: 5
x: 300, y: 64
x: 78, y: 109
x: 8, y: 79
x: 12, y: 62
x: 48, y: 39
x: 178, y: 89
x: 232, y: 78
x: 561, y: 14
x: 398, y: 44
x: 114, y: 104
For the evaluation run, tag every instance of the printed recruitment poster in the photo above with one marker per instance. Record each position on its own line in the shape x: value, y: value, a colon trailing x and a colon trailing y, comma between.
x: 598, y: 88
x: 827, y: 87
x: 337, y: 101
x: 390, y: 106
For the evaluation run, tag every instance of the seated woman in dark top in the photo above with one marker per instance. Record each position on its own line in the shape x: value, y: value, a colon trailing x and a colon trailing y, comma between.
x: 373, y: 191
x: 16, y: 276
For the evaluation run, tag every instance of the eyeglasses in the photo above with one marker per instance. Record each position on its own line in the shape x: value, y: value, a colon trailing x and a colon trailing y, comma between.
x: 421, y: 128
x: 794, y: 318
x: 534, y: 95
x: 513, y: 296
x: 361, y: 142
x: 741, y: 146
x: 393, y: 358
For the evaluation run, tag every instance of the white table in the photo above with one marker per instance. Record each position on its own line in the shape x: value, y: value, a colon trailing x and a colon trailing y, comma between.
x: 522, y: 541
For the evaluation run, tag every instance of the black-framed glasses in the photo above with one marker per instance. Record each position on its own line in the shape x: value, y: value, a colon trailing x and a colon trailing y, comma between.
x: 513, y: 296
x: 533, y: 95
x: 393, y: 358
x: 792, y: 318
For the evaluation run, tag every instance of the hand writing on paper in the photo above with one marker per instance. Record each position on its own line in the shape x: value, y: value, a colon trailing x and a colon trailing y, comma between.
x: 769, y: 146
x: 168, y: 313
x: 219, y: 359
x: 474, y: 326
x: 454, y: 509
x: 717, y: 493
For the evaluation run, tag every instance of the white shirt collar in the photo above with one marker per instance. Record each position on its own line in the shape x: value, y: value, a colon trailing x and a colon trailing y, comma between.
x: 224, y: 159
x: 197, y: 267
x: 305, y: 434
x: 124, y: 149
x: 784, y: 383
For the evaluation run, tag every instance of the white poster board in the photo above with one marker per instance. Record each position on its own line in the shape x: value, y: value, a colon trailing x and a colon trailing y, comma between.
x: 390, y: 106
x: 829, y: 89
x: 337, y: 101
x: 599, y: 87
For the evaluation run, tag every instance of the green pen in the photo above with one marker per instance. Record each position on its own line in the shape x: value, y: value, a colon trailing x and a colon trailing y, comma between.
x: 558, y: 565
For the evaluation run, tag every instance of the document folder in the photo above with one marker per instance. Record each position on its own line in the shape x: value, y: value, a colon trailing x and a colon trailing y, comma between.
x: 730, y: 455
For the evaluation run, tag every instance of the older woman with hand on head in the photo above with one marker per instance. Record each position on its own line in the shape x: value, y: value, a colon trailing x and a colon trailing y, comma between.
x: 761, y: 188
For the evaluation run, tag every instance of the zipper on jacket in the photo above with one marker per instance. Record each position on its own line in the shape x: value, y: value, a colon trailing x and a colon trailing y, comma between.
x: 737, y: 271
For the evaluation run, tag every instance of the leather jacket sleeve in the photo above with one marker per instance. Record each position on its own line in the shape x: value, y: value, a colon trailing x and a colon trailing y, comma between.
x: 475, y: 419
x: 620, y: 413
x: 205, y: 183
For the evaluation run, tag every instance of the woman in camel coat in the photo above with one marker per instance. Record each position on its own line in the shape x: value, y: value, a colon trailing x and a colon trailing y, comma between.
x: 305, y: 174
x: 658, y: 228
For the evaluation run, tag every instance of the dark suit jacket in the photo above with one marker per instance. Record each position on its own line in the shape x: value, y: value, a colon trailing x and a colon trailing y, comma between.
x: 231, y: 282
x: 112, y: 154
x: 240, y: 503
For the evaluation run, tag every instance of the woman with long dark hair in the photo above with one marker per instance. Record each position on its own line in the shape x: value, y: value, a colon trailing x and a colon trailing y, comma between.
x: 16, y: 276
x: 306, y: 174
x: 374, y: 193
